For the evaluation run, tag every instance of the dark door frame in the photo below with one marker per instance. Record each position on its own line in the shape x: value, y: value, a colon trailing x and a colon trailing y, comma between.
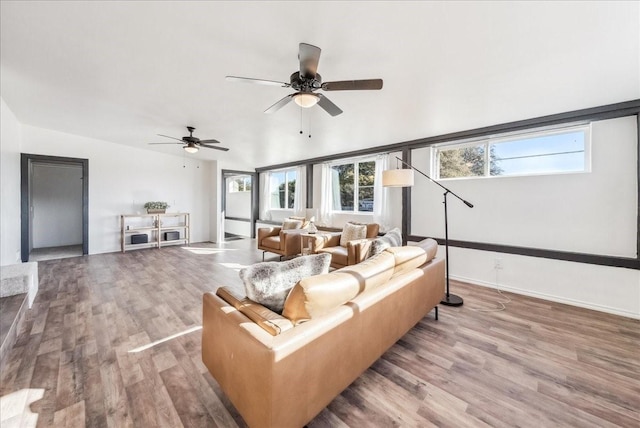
x: 26, y: 159
x: 226, y: 173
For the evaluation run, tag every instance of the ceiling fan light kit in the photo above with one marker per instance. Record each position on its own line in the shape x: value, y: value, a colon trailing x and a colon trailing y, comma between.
x: 308, y: 80
x: 191, y: 148
x: 306, y: 100
x: 192, y: 144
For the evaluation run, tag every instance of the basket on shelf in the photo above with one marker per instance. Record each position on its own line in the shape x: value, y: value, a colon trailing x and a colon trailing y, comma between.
x: 156, y: 207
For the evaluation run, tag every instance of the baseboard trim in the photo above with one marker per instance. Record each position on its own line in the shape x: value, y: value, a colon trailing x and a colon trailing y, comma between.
x: 550, y: 297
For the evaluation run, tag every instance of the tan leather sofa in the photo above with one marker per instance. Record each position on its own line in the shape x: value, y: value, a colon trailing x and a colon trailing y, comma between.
x: 280, y: 370
x: 353, y: 253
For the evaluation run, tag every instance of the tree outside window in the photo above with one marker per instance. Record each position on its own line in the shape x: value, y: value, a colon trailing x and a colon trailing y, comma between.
x: 353, y: 186
x: 283, y: 189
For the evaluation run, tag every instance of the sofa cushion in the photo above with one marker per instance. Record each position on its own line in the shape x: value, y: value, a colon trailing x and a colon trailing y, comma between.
x: 271, y: 242
x: 315, y: 296
x: 430, y: 246
x: 269, y: 283
x: 392, y: 238
x: 406, y: 258
x: 339, y: 255
x: 352, y: 231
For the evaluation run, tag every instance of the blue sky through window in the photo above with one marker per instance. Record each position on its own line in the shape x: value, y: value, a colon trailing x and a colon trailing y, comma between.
x: 549, y: 153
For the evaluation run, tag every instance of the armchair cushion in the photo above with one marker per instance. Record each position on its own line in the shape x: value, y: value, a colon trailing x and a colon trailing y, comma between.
x: 269, y: 283
x: 351, y: 232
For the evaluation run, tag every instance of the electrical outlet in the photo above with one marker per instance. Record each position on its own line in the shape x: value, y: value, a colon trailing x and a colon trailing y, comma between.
x: 497, y: 264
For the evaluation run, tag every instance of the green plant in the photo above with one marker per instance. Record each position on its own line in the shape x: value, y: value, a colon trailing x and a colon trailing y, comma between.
x: 156, y: 205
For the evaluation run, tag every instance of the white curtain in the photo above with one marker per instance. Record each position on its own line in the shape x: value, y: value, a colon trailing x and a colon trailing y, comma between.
x: 265, y: 196
x: 381, y: 205
x: 300, y: 195
x: 326, y: 196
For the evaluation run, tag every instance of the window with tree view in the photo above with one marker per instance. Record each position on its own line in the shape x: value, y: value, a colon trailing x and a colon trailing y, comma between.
x: 282, y: 188
x: 541, y: 152
x: 353, y: 186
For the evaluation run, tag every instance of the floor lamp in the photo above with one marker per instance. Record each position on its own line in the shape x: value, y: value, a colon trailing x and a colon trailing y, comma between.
x: 404, y: 178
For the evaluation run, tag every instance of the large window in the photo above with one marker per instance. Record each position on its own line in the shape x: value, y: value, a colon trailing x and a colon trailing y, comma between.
x: 282, y: 188
x: 239, y: 184
x: 540, y: 152
x: 353, y: 186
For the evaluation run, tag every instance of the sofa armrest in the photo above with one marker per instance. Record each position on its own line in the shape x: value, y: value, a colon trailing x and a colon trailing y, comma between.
x: 358, y: 250
x: 325, y: 239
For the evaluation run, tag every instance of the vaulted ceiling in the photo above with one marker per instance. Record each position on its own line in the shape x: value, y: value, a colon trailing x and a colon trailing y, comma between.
x: 123, y: 72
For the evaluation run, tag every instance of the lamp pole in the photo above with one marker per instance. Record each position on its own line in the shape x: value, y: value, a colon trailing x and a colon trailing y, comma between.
x: 449, y: 299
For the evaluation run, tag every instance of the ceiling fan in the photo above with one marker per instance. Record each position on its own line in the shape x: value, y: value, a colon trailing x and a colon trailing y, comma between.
x: 192, y: 144
x: 307, y: 81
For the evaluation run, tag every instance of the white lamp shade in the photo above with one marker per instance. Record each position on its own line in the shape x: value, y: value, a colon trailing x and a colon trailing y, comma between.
x: 397, y: 178
x: 305, y: 100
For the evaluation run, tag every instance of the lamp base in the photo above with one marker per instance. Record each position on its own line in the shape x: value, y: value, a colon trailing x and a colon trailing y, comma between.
x: 452, y: 300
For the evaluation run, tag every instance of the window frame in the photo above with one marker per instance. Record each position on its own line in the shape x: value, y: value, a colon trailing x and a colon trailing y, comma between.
x: 246, y: 180
x: 286, y: 172
x: 491, y: 140
x: 356, y: 185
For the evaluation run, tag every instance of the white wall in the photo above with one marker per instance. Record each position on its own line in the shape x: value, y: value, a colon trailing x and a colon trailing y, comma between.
x: 57, y: 205
x: 10, y: 140
x: 591, y: 213
x: 123, y: 178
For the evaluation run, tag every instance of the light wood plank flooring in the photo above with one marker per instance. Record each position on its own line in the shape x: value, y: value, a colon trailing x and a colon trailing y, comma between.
x: 113, y: 340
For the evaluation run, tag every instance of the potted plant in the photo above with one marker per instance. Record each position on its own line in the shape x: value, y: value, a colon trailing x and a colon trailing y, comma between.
x: 156, y: 207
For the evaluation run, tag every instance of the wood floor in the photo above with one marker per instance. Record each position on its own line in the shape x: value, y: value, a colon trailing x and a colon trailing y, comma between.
x: 113, y: 340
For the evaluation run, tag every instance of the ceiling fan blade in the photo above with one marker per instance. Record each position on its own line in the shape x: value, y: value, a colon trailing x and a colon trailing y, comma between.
x: 167, y: 143
x: 328, y: 106
x: 353, y: 85
x: 224, y: 149
x: 173, y: 138
x: 257, y: 81
x: 277, y: 106
x: 309, y: 57
x: 209, y: 142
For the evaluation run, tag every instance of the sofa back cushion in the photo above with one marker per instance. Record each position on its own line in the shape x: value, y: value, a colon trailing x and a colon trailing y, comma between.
x: 269, y: 283
x: 315, y: 296
x: 407, y: 258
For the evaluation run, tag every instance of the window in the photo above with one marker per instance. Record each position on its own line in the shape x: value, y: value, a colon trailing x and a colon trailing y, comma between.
x: 282, y: 188
x: 240, y: 184
x: 537, y: 152
x: 353, y: 186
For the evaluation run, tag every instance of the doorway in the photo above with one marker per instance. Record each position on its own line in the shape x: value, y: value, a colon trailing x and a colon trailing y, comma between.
x: 239, y: 204
x: 54, y: 207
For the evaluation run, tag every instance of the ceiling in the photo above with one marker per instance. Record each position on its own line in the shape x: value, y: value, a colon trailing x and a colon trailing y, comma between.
x: 123, y: 72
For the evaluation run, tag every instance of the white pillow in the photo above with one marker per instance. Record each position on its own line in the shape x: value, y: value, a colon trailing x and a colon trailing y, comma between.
x: 352, y: 232
x: 291, y: 224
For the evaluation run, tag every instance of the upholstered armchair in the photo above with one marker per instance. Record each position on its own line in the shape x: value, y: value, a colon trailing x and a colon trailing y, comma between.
x: 286, y: 243
x: 351, y: 252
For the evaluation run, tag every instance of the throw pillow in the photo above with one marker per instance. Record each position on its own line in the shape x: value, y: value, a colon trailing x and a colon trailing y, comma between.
x: 392, y: 238
x: 269, y: 283
x: 291, y: 224
x: 304, y: 221
x: 351, y: 232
